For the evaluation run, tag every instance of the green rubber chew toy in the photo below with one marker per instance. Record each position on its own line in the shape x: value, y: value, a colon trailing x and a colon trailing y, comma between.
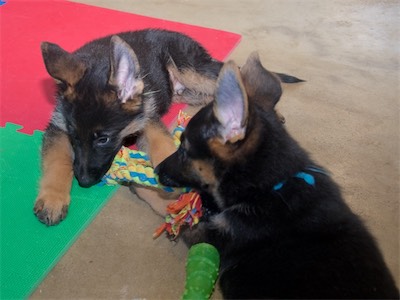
x: 201, y: 271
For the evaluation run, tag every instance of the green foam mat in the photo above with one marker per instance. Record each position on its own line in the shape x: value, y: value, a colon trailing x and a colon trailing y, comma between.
x: 29, y: 249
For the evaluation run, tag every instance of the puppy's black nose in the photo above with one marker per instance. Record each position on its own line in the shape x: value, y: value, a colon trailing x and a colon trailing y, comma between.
x: 162, y: 178
x: 85, y: 181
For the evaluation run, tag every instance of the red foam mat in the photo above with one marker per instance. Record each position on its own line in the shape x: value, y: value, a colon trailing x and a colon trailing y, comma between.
x: 27, y: 92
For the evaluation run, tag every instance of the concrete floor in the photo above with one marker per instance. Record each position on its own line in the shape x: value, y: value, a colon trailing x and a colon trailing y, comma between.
x: 346, y: 115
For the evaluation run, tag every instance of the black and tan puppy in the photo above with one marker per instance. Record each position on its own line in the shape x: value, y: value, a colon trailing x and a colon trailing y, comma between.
x: 279, y: 222
x: 107, y: 90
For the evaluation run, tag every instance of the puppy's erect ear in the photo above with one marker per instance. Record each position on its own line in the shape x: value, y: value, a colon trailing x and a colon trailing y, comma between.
x: 61, y: 65
x: 261, y: 85
x: 230, y: 105
x: 124, y: 70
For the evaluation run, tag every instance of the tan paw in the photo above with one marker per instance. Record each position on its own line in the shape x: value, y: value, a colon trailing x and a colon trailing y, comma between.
x: 51, y: 207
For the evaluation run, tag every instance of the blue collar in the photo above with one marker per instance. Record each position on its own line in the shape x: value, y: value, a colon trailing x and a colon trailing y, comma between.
x: 307, y: 177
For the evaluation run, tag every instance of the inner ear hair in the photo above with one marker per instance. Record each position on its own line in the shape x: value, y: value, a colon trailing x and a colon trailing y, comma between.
x: 125, y: 70
x: 231, y: 105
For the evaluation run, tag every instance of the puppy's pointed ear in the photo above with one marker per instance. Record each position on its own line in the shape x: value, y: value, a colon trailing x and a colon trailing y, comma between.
x: 262, y: 86
x: 61, y: 65
x: 124, y: 70
x: 231, y: 105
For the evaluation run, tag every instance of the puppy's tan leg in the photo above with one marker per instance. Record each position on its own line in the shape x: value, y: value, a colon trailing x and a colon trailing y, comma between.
x: 159, y: 142
x: 54, y: 196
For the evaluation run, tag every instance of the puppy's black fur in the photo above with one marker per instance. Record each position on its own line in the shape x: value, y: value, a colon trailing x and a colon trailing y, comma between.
x: 279, y: 222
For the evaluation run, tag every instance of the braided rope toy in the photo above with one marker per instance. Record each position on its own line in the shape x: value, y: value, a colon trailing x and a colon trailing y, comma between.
x: 132, y: 166
x: 135, y: 166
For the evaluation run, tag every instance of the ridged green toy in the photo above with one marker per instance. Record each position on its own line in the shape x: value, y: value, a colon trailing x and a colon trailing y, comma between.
x: 202, y: 268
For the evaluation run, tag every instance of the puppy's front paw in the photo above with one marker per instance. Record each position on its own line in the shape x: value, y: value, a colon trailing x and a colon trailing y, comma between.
x: 51, y: 207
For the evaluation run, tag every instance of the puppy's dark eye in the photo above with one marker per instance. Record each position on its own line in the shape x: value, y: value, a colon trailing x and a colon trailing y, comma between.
x: 102, y: 141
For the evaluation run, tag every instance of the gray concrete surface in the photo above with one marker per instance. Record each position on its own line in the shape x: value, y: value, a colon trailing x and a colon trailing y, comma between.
x: 346, y: 115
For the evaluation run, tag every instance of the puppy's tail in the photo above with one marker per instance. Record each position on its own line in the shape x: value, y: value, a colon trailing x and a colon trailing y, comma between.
x: 288, y: 78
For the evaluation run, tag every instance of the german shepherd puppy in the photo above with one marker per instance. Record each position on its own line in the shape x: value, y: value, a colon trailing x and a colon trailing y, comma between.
x: 279, y: 221
x: 107, y: 90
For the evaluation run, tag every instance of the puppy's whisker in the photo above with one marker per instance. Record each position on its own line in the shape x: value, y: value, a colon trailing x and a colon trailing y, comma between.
x: 149, y: 93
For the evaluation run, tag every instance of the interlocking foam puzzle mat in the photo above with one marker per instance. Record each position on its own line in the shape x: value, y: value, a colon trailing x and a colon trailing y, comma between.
x: 30, y: 249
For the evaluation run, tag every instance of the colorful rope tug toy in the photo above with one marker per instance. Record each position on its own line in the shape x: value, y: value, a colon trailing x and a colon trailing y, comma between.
x: 132, y: 166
